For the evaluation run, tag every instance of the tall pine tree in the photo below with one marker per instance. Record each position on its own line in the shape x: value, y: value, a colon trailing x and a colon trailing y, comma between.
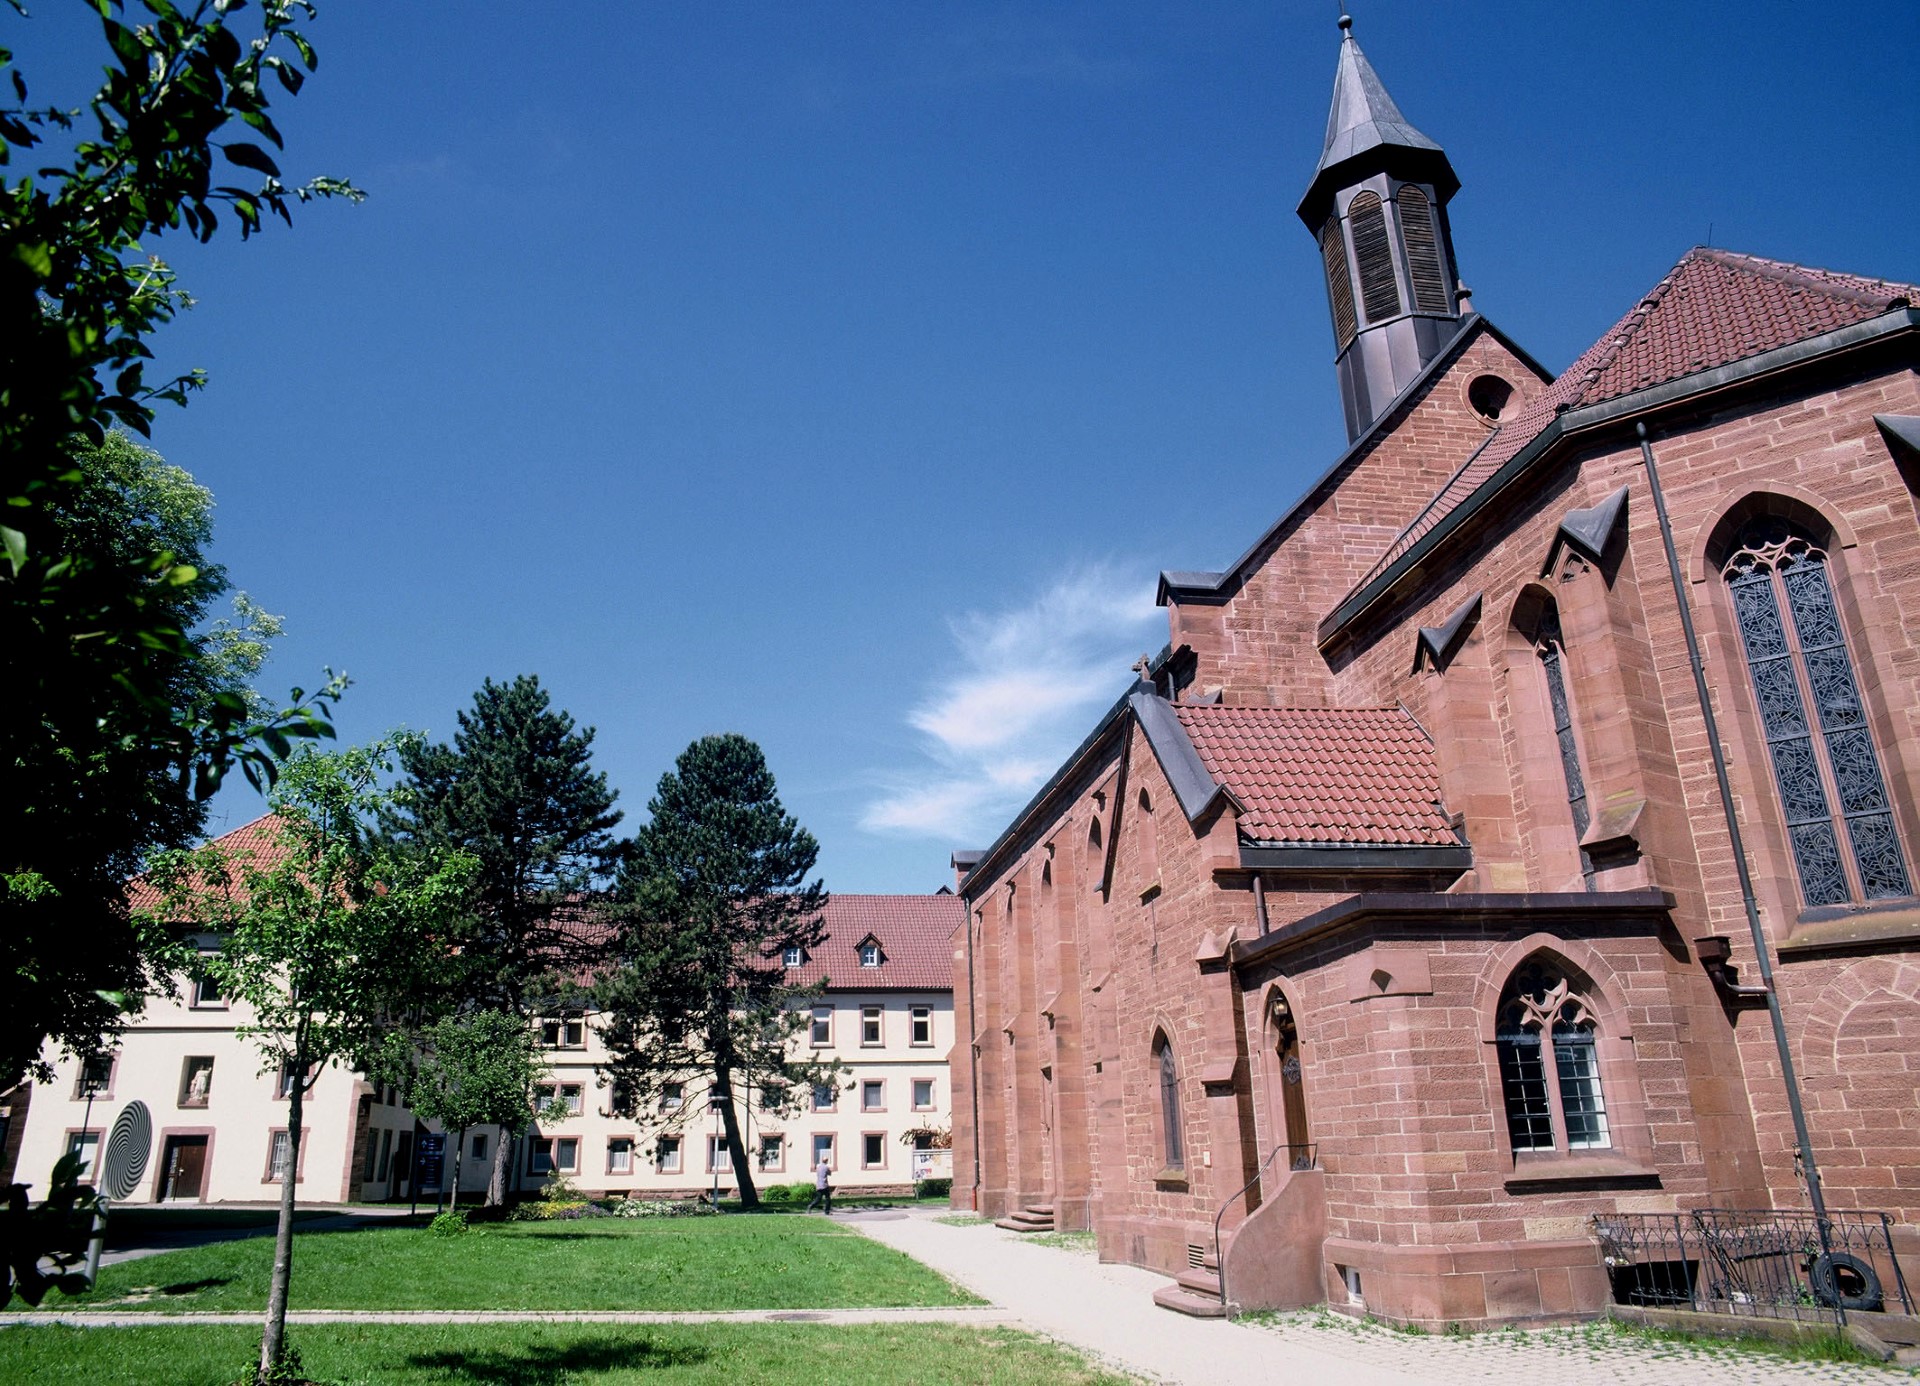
x: 516, y: 791
x: 714, y: 892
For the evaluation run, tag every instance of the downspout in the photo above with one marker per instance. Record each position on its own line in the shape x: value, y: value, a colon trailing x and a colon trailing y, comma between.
x: 1761, y: 950
x: 973, y: 1057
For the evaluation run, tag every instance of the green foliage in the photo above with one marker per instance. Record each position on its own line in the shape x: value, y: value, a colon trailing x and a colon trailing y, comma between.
x: 516, y: 792
x: 935, y: 1188
x: 788, y: 1193
x: 452, y: 1223
x: 118, y: 716
x: 714, y: 891
x: 477, y: 1068
x: 285, y: 1371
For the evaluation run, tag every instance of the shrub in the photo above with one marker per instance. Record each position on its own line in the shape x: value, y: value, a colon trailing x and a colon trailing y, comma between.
x: 662, y: 1208
x: 555, y: 1210
x: 935, y: 1188
x: 449, y: 1224
x: 787, y: 1193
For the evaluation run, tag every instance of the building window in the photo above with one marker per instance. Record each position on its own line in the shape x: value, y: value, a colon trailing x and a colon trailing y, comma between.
x: 922, y: 1024
x: 568, y: 1096
x: 822, y: 1025
x: 551, y: 1155
x: 666, y: 1154
x: 1549, y: 645
x: 822, y: 1150
x: 1557, y: 1105
x: 923, y: 1094
x: 279, y: 1156
x: 283, y: 1081
x: 825, y: 1097
x: 793, y: 957
x: 873, y: 1095
x: 1173, y: 1146
x: 564, y: 1032
x: 620, y: 1155
x: 196, y: 1080
x: 719, y: 1157
x: 773, y: 1151
x: 206, y: 994
x: 386, y: 1156
x: 873, y: 1150
x: 85, y: 1144
x: 869, y: 954
x: 1372, y: 251
x: 95, y: 1078
x: 869, y: 1025
x: 673, y: 1096
x: 1825, y: 766
x: 479, y: 1147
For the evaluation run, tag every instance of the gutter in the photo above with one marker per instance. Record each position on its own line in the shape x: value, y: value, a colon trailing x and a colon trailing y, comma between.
x: 1342, y: 857
x: 1591, y: 417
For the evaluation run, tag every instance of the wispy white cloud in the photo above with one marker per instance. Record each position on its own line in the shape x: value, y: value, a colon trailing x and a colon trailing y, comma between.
x: 1026, y: 683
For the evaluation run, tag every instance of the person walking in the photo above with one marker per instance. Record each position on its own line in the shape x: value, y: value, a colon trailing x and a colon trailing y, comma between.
x: 822, y: 1188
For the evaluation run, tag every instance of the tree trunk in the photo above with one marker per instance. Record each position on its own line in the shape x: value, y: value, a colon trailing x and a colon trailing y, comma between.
x: 736, y: 1147
x: 497, y: 1182
x: 273, y: 1342
x: 459, y: 1149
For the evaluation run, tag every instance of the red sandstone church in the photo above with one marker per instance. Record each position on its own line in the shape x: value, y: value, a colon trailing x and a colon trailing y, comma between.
x: 1402, y: 917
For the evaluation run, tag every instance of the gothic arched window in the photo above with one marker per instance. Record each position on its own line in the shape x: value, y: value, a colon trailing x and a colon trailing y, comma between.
x: 1557, y: 1105
x: 1824, y: 766
x: 1373, y: 252
x: 1549, y: 645
x: 1172, y: 1146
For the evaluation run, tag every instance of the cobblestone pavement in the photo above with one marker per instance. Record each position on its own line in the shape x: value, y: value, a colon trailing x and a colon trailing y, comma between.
x: 1108, y: 1312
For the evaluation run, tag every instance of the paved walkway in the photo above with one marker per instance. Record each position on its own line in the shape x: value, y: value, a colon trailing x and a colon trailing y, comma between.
x: 1107, y: 1311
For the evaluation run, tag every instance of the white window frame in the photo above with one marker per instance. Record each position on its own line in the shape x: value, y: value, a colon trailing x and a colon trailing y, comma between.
x: 921, y: 1019
x: 873, y: 1023
x: 821, y: 1032
x: 667, y: 1154
x: 929, y: 1104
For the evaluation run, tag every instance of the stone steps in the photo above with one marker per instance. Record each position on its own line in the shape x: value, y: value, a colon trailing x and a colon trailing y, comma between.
x: 1184, y: 1301
x: 1035, y: 1217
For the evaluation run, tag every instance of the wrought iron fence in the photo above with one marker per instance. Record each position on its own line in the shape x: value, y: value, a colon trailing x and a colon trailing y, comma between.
x: 1769, y: 1263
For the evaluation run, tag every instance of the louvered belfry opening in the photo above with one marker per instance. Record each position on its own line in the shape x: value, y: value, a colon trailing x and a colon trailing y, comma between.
x: 1423, y: 251
x: 1373, y: 252
x: 1333, y: 252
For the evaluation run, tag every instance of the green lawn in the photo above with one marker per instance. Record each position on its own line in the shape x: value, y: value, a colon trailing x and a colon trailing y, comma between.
x: 552, y: 1354
x: 664, y: 1264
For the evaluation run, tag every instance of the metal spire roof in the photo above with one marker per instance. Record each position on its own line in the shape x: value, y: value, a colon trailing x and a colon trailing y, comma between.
x: 1364, y: 118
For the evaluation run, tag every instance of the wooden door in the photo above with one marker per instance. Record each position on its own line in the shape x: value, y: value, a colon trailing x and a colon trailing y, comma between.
x: 186, y: 1166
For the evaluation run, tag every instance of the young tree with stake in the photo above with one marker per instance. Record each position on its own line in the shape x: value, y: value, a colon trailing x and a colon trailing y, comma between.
x: 322, y: 936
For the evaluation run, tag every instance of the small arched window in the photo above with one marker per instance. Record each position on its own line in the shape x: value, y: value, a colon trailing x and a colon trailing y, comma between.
x: 1333, y: 254
x: 1174, y: 1148
x: 1423, y: 251
x: 1551, y: 647
x: 1824, y: 765
x: 1373, y: 252
x: 1549, y: 1066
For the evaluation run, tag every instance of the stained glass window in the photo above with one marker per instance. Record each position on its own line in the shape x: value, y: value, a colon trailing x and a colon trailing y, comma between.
x: 1838, y: 817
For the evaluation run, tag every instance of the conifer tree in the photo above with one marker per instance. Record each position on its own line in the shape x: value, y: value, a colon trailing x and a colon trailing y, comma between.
x: 517, y: 792
x: 714, y: 892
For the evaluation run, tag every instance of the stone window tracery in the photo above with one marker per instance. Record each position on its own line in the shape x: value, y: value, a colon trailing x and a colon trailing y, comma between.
x: 1825, y: 766
x: 1553, y: 1103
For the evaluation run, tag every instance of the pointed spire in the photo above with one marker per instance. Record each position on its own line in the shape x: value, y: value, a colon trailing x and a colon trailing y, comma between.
x: 1364, y: 121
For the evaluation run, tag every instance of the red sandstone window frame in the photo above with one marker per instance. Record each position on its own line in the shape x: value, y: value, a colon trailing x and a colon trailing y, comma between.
x: 760, y: 1155
x: 632, y: 1144
x: 873, y: 1094
x: 669, y: 1154
x: 274, y: 1135
x: 91, y: 1170
x: 101, y: 1091
x: 871, y: 1141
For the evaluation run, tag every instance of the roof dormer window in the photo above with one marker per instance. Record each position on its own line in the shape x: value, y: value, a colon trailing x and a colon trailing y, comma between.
x: 870, y: 953
x: 793, y: 957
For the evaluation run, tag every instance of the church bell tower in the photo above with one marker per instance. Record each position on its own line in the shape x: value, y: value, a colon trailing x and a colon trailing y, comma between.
x: 1378, y: 206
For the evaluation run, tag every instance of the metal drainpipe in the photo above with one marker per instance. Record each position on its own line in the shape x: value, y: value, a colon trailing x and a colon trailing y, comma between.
x: 1754, y: 926
x: 973, y: 1056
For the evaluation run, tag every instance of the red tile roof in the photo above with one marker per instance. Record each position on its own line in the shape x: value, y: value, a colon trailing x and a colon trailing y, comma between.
x: 257, y: 843
x: 1324, y: 775
x: 915, y: 934
x: 1714, y: 308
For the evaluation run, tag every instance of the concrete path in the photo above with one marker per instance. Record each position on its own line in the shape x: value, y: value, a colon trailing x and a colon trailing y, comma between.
x: 1107, y: 1311
x: 152, y: 1236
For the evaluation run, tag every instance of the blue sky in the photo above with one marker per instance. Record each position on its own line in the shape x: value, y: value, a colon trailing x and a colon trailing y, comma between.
x: 843, y: 375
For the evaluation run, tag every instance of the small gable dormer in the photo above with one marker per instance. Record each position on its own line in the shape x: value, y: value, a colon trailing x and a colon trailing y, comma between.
x: 870, y: 952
